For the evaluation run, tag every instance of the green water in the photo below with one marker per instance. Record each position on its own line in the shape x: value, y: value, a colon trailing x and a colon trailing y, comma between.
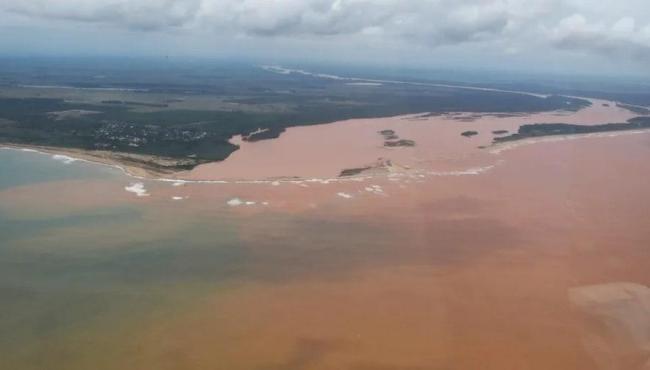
x: 78, y: 284
x: 22, y: 168
x: 74, y: 283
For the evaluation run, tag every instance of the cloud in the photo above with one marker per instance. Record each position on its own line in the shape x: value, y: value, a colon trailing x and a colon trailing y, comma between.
x: 620, y: 29
x: 430, y: 21
x: 138, y: 14
x: 621, y: 39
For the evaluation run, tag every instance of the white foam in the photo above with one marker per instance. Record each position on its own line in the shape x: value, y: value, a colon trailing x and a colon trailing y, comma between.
x: 344, y: 195
x: 275, y: 183
x: 467, y: 172
x: 179, y: 198
x: 138, y: 189
x: 64, y: 158
x: 375, y: 189
x: 235, y: 202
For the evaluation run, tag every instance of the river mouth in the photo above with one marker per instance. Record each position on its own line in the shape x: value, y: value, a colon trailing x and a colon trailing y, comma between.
x: 420, y: 142
x: 401, y: 269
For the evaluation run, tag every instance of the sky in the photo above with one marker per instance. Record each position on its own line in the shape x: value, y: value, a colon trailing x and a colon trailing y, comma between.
x: 566, y: 36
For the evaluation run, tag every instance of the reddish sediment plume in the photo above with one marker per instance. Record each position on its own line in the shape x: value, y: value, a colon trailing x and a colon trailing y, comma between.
x: 519, y: 266
x: 474, y: 271
x: 488, y: 271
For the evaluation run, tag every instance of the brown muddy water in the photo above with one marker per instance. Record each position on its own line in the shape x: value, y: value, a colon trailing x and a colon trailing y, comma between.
x: 324, y: 150
x: 539, y: 261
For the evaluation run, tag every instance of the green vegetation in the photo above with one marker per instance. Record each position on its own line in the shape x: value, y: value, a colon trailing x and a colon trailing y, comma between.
x: 469, y: 133
x: 389, y: 135
x: 549, y: 129
x: 391, y: 139
x: 402, y: 142
x: 190, y: 115
x: 353, y: 171
x: 634, y: 108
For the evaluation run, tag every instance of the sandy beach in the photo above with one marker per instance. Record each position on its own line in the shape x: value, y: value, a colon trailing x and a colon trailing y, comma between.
x: 135, y: 165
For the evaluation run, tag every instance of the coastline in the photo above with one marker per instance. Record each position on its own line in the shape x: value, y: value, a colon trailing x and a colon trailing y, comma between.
x: 499, y: 147
x: 140, y: 173
x: 138, y: 170
x: 300, y: 154
x: 115, y: 160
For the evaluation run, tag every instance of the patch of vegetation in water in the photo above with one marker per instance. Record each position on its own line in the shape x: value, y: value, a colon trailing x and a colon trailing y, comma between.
x: 469, y: 133
x: 353, y: 171
x: 401, y: 142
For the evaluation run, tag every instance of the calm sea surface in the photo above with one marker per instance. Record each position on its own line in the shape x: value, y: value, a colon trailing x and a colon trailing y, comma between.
x: 88, y: 270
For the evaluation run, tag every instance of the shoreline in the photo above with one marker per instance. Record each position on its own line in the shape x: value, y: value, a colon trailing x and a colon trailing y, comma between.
x: 140, y: 173
x: 103, y: 158
x: 162, y: 169
x: 499, y: 147
x: 80, y: 156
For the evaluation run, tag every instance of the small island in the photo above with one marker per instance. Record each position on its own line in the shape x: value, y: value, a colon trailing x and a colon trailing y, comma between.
x: 401, y: 142
x: 391, y: 139
x: 469, y: 133
x: 353, y: 171
x: 382, y: 164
